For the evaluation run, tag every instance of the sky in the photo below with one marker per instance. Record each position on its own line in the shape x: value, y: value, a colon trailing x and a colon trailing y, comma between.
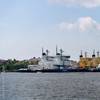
x: 26, y: 26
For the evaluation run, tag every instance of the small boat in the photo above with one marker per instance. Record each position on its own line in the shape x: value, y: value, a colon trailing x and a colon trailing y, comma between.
x: 25, y: 70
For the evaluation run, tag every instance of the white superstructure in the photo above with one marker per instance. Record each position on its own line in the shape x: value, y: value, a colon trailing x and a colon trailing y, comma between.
x: 59, y: 61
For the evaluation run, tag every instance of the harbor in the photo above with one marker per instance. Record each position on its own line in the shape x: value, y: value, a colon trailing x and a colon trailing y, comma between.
x: 62, y: 63
x: 49, y: 50
x: 53, y: 63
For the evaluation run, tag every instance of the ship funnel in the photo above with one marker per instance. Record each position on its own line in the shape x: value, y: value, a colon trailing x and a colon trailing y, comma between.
x: 43, y: 53
x: 93, y: 54
x: 81, y: 54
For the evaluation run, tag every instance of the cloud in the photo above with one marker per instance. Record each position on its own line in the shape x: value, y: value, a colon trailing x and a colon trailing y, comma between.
x: 84, y: 3
x: 83, y: 24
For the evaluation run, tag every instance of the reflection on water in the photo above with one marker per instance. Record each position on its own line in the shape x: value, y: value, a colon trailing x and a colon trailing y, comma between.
x: 50, y: 86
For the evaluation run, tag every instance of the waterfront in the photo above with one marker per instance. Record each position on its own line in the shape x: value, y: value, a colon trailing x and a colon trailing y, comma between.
x: 50, y: 86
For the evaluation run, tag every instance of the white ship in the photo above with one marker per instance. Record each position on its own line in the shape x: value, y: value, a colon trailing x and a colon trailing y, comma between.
x: 59, y: 61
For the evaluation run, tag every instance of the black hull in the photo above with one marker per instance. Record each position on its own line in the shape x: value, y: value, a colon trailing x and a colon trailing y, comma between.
x: 68, y: 70
x: 58, y: 70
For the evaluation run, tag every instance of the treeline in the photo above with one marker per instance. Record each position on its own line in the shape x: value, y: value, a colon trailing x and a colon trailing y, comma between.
x: 13, y: 65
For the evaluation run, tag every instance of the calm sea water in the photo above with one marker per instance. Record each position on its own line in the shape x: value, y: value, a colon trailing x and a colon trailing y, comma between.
x: 50, y: 86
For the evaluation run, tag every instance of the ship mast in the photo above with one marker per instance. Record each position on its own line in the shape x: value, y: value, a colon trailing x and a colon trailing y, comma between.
x: 98, y: 53
x: 47, y: 51
x: 56, y: 49
x: 85, y: 54
x: 61, y: 51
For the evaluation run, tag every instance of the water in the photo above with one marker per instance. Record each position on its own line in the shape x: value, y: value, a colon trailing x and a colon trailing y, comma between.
x: 50, y: 86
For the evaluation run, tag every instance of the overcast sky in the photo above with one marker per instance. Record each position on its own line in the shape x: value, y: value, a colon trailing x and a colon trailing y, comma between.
x: 28, y: 25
